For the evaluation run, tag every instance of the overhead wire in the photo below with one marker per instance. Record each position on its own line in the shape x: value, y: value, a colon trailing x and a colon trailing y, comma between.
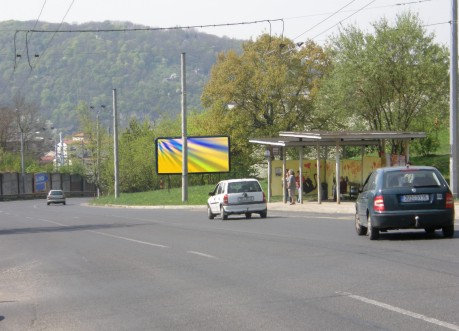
x: 353, y: 13
x: 269, y: 21
x: 340, y: 22
x: 327, y: 18
x: 31, y: 31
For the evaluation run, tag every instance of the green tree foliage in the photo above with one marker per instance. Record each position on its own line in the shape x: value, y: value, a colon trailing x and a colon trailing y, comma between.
x: 393, y: 80
x: 136, y: 160
x: 269, y: 88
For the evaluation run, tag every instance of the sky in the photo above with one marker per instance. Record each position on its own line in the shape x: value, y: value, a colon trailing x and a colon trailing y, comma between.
x: 299, y: 20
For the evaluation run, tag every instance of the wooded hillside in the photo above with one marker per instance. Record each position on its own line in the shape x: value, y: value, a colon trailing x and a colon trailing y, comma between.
x: 57, y: 70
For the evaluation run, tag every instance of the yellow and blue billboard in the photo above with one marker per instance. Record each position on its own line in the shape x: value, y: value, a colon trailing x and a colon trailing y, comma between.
x: 206, y: 154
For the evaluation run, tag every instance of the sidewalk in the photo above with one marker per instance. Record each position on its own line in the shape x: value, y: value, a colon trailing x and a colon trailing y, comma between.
x: 344, y: 207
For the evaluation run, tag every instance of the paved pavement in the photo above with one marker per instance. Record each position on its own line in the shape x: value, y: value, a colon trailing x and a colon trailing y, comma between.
x: 344, y: 207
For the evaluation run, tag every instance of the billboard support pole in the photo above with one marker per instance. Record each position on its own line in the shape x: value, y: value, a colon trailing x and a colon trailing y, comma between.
x: 184, y: 134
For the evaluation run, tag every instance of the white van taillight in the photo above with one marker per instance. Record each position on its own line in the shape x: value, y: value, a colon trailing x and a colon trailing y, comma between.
x: 225, y: 199
x: 378, y: 203
x: 449, y: 200
x: 264, y: 197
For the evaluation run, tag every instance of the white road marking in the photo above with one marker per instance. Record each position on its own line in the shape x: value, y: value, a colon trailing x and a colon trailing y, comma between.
x: 401, y: 311
x: 113, y: 236
x: 128, y: 239
x: 202, y: 254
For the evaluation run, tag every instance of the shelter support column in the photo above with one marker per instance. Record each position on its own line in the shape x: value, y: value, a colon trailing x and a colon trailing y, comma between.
x: 269, y: 175
x: 284, y: 170
x: 362, y: 164
x: 300, y: 175
x: 338, y: 175
x: 407, y: 151
x: 319, y: 181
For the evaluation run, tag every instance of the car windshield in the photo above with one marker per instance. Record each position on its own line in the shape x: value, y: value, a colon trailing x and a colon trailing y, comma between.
x: 410, y: 178
x: 247, y: 186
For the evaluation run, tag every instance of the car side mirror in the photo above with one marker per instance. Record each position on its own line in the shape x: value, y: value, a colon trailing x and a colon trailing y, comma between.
x: 211, y: 193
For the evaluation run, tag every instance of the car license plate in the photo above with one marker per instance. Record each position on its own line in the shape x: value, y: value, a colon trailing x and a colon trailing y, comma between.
x: 244, y: 199
x: 415, y: 198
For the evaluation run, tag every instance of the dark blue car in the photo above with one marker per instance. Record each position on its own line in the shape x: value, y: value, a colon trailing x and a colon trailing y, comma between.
x: 411, y: 197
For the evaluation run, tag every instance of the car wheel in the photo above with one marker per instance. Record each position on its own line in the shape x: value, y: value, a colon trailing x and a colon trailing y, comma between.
x: 263, y: 214
x: 359, y: 228
x: 448, y: 231
x: 248, y: 215
x: 209, y: 213
x: 48, y: 203
x: 372, y: 232
x: 63, y: 203
x: 223, y: 214
x: 429, y: 230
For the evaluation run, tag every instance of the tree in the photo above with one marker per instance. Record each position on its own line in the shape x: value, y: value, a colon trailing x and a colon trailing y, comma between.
x: 6, y: 125
x: 393, y: 80
x: 269, y: 88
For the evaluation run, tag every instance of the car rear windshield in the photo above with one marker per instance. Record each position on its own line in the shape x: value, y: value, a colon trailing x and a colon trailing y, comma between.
x: 411, y: 178
x: 56, y: 192
x: 247, y: 186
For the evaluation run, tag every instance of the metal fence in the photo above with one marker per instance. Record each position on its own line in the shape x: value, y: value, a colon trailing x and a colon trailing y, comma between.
x: 36, y: 186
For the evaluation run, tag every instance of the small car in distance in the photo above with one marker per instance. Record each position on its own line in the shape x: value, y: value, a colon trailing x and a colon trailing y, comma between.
x: 55, y: 196
x: 410, y: 197
x: 237, y: 196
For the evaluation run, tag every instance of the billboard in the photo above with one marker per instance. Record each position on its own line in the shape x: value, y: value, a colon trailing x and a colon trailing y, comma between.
x: 40, y: 182
x: 206, y: 154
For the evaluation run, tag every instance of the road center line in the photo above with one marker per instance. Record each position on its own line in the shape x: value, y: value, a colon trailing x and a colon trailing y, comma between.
x: 128, y: 239
x: 202, y: 254
x: 113, y: 236
x: 401, y: 311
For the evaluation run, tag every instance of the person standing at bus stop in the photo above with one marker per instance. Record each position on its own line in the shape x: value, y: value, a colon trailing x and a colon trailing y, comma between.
x: 291, y: 184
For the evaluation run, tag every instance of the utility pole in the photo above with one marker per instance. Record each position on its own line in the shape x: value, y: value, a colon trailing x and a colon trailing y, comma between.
x: 453, y: 182
x: 21, y: 131
x: 98, y: 151
x: 115, y: 145
x: 22, y: 162
x: 184, y: 134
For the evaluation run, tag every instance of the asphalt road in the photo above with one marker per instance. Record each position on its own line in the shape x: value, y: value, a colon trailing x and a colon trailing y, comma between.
x: 77, y: 267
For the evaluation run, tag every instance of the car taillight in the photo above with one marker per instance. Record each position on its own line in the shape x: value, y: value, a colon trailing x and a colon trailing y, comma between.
x: 264, y: 197
x: 378, y: 203
x: 225, y: 199
x: 449, y: 200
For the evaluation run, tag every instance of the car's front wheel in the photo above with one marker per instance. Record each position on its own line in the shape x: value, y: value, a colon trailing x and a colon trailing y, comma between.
x: 372, y: 232
x: 248, y: 215
x: 359, y: 228
x: 209, y: 213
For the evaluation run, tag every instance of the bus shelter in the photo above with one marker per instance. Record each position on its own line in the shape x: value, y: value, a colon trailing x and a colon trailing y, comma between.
x: 320, y: 139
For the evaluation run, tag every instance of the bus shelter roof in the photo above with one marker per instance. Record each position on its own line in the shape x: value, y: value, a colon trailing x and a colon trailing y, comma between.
x: 332, y: 138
